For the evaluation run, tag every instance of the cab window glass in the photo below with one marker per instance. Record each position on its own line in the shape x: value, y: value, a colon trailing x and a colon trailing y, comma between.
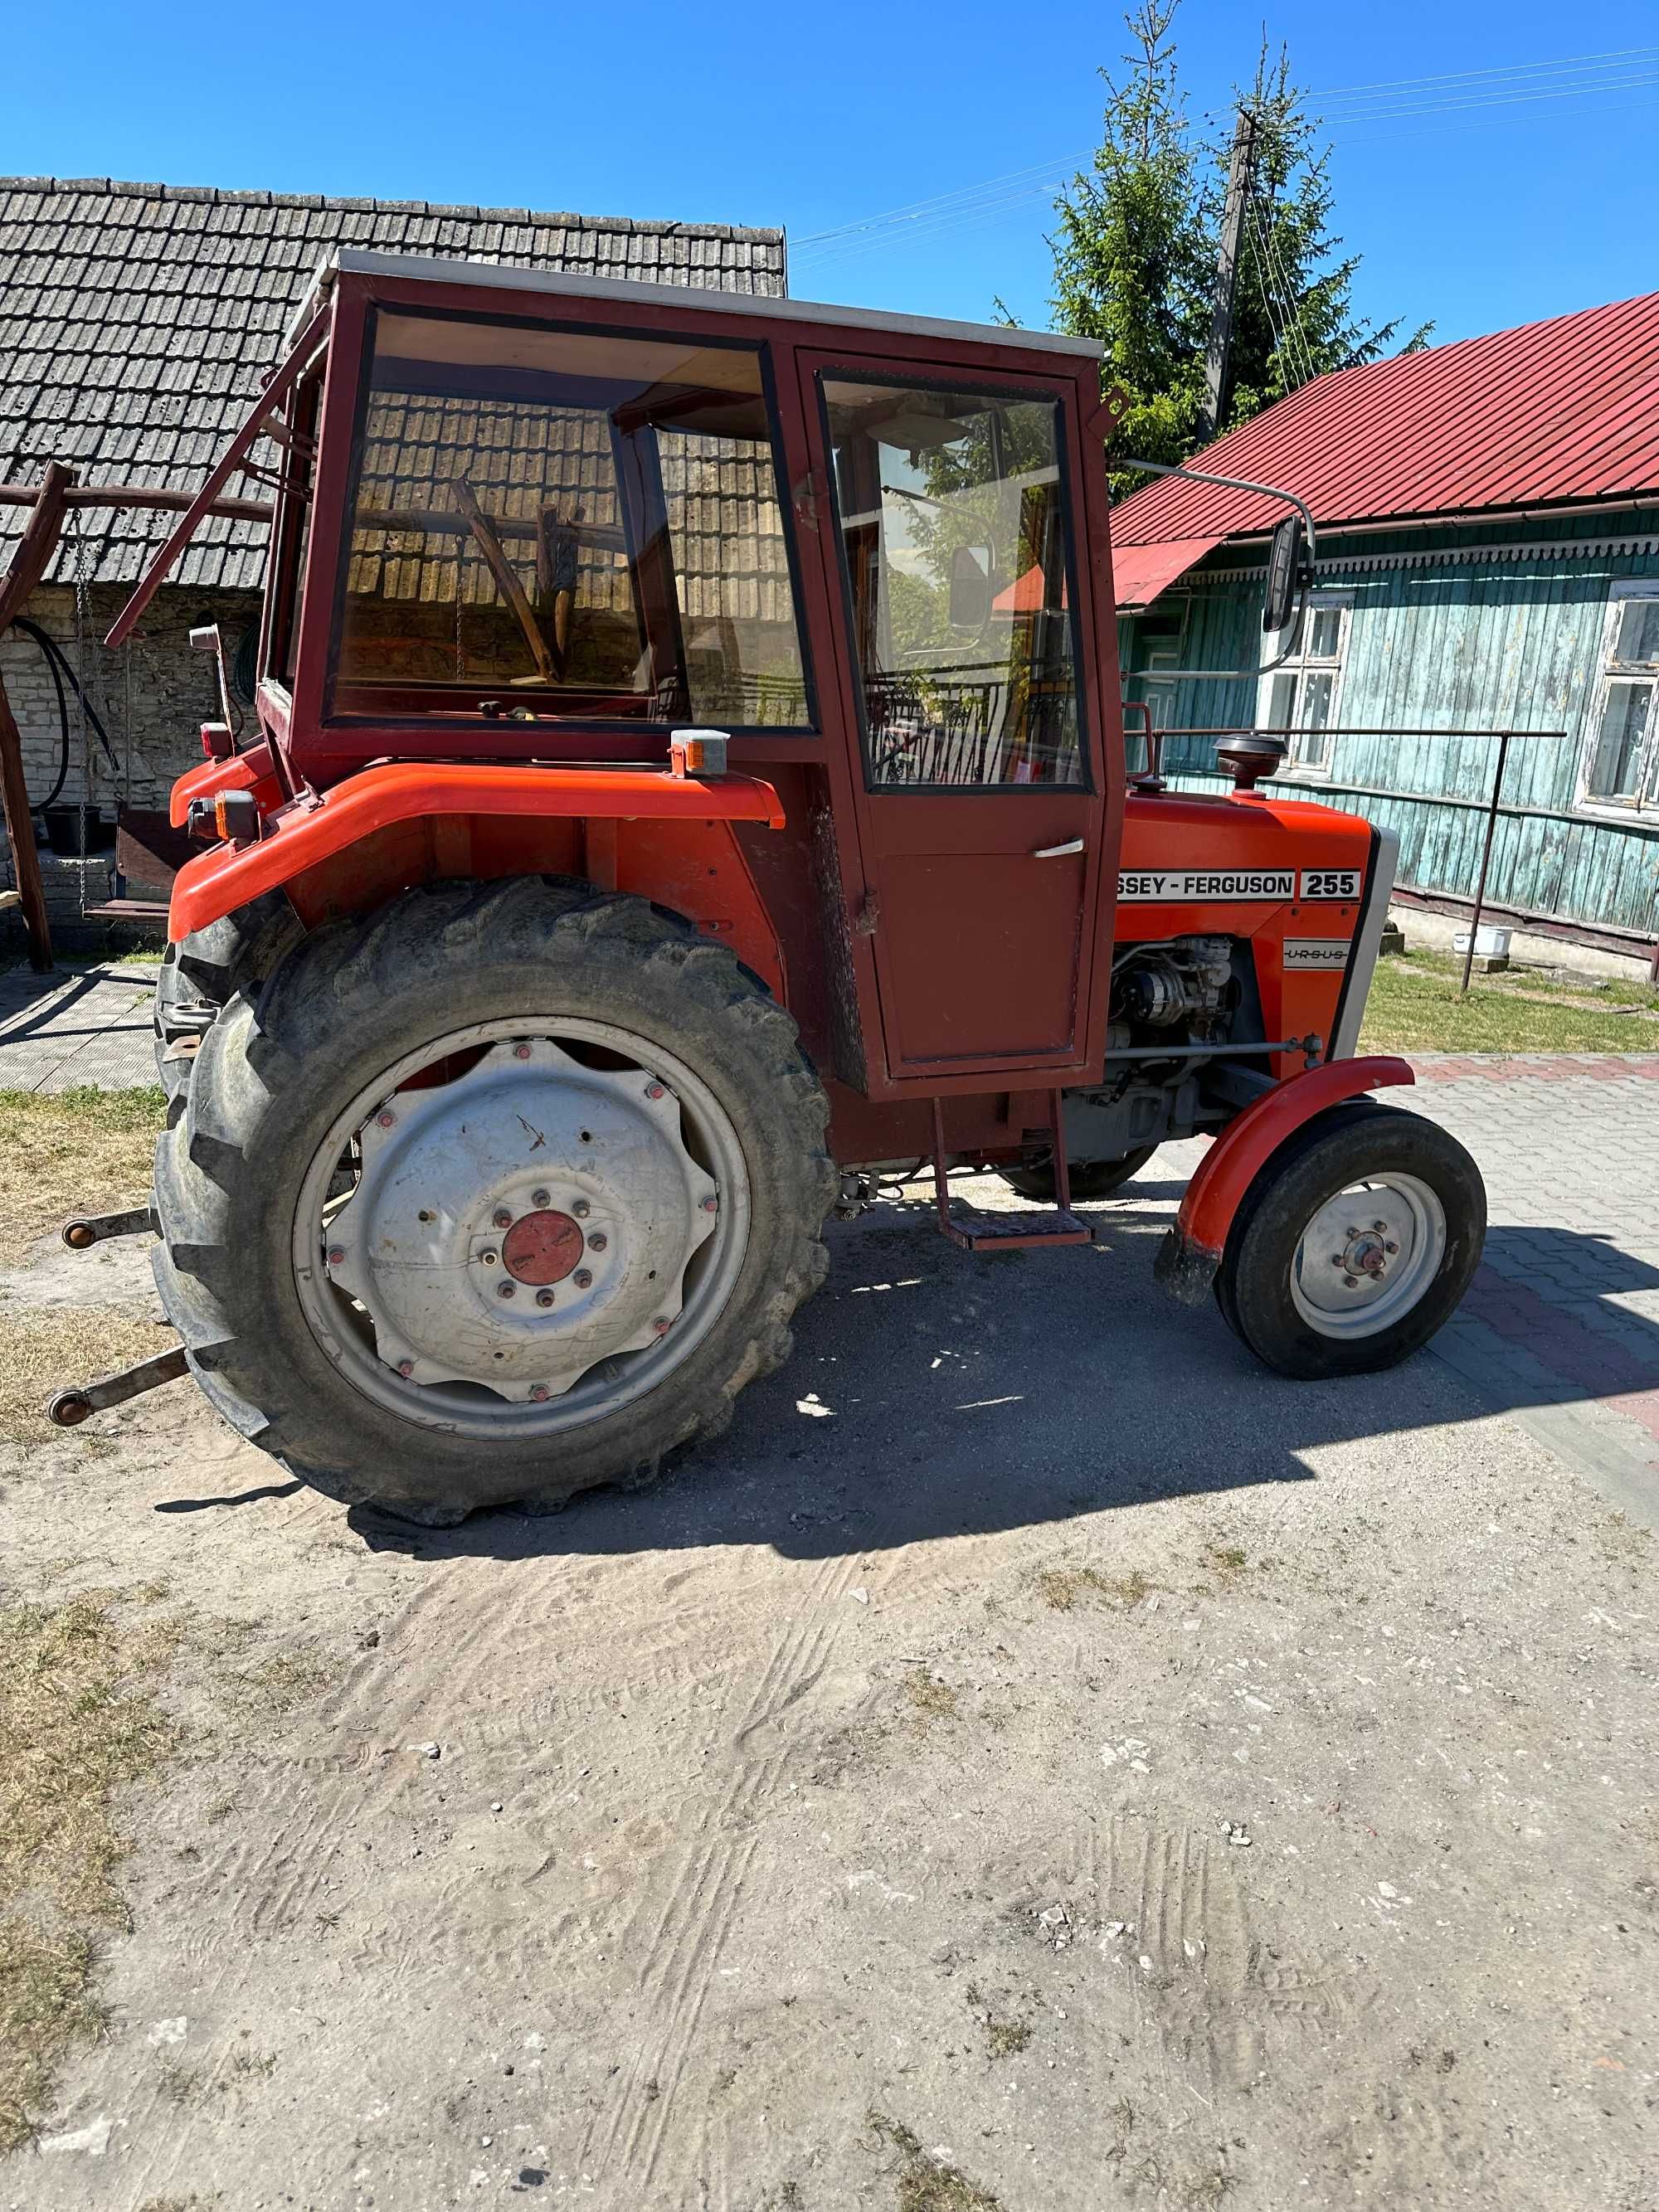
x: 954, y: 552
x: 569, y: 523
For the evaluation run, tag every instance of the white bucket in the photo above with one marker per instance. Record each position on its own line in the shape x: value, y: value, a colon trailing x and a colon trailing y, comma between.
x: 1491, y: 943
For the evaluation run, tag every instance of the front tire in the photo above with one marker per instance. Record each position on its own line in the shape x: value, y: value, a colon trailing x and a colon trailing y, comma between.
x: 339, y: 1200
x: 1354, y: 1244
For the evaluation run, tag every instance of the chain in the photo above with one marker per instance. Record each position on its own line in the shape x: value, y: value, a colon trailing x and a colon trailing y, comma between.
x: 460, y: 571
x: 78, y: 558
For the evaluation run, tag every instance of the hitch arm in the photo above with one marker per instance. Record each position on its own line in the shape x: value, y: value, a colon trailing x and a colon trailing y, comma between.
x: 67, y: 1409
x: 83, y: 1230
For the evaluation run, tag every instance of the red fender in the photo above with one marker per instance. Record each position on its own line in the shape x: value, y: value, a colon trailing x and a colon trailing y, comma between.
x: 1192, y: 1252
x: 300, y: 836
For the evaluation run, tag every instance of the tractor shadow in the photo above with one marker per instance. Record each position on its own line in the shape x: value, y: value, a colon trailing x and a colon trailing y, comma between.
x: 934, y: 1394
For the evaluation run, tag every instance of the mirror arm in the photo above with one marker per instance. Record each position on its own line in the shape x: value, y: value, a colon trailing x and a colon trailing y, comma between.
x: 1268, y: 491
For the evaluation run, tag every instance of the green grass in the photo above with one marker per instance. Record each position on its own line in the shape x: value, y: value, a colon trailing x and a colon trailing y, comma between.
x: 1415, y: 1006
x: 72, y: 1151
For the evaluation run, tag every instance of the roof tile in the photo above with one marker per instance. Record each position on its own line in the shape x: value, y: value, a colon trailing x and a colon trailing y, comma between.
x: 138, y: 316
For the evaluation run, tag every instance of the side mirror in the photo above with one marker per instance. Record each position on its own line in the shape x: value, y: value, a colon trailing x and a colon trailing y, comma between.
x: 1286, y: 574
x: 970, y: 587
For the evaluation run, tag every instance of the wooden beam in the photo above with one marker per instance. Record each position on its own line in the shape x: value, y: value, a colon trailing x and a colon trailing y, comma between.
x: 33, y: 556
x: 147, y: 495
x: 37, y: 544
x: 20, y: 830
x: 506, y: 575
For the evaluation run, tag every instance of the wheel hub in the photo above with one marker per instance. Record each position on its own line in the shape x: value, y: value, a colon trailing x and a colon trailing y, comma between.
x: 1368, y: 1256
x: 542, y: 1247
x: 517, y: 1225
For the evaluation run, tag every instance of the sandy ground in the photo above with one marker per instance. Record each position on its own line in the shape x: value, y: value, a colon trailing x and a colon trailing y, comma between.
x: 1036, y: 1759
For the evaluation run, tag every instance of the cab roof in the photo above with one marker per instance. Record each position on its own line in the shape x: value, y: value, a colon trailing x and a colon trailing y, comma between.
x: 493, y: 275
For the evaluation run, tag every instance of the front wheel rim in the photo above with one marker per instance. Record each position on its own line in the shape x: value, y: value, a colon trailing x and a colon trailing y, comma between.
x: 1368, y: 1256
x: 401, y: 1252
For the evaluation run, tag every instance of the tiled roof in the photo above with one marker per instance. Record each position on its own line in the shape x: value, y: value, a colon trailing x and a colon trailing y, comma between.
x: 136, y: 321
x: 1551, y: 413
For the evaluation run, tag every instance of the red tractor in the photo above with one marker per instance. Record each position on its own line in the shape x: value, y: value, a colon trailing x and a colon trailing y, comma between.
x: 690, y: 787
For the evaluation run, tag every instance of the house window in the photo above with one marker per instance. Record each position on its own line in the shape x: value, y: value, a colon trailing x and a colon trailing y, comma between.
x: 1621, y: 762
x: 1301, y: 695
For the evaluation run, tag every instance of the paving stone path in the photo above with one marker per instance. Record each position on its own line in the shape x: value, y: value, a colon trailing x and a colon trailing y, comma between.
x: 1561, y: 1327
x: 76, y: 1026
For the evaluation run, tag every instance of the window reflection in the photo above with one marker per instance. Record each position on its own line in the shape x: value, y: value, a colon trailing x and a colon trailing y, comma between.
x: 954, y: 539
x: 586, y: 523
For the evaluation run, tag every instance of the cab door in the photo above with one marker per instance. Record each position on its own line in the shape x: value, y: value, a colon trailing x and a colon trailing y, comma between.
x: 978, y: 791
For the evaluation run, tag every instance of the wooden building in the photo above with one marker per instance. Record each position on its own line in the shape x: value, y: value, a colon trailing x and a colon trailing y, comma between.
x: 1488, y: 543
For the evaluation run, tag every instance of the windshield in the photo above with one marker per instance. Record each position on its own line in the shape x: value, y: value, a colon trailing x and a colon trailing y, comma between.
x: 588, y: 523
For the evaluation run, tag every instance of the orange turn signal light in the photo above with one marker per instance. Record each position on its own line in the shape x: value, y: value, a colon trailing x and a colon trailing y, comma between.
x: 698, y: 752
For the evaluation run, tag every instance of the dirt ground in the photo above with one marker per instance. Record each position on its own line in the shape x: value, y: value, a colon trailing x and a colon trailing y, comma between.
x: 1036, y: 1759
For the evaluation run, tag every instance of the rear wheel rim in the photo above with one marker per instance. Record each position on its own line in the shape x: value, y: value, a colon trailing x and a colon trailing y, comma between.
x: 401, y: 1252
x: 1369, y: 1257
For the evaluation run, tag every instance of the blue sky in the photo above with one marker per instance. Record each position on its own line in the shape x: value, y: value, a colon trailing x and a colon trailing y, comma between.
x: 1476, y: 199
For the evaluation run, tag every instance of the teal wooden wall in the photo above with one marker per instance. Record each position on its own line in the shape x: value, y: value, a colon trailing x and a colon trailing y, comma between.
x: 1452, y: 629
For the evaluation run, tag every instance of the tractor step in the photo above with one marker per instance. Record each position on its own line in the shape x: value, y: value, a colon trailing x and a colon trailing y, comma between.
x: 1009, y: 1232
x: 1014, y: 1232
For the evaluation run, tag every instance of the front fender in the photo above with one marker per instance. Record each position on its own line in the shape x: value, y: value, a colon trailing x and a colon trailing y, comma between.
x: 312, y: 829
x: 1191, y: 1252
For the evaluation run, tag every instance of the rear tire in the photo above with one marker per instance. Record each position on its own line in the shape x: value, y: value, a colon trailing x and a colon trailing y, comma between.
x: 306, y: 1367
x: 1090, y: 1180
x: 1313, y: 1292
x: 199, y: 976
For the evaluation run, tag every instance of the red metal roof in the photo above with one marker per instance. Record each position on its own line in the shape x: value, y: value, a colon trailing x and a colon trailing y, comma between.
x: 1140, y: 573
x: 1557, y: 411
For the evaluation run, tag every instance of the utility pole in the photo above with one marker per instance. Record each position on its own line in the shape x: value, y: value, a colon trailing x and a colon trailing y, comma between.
x: 1219, y: 353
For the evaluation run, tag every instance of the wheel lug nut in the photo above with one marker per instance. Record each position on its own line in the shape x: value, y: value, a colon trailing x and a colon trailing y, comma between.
x: 544, y: 1297
x: 1380, y: 1227
x: 488, y: 1258
x: 1390, y: 1247
x: 711, y: 1206
x: 661, y: 1325
x: 581, y: 1209
x: 1339, y: 1261
x: 521, y: 1052
x: 653, y: 1091
x: 386, y: 1117
x: 336, y: 1255
x: 501, y: 1217
x: 540, y: 1198
x: 583, y: 1279
x: 504, y: 1290
x: 1352, y: 1282
x: 597, y: 1241
x: 405, y: 1368
x: 539, y: 1393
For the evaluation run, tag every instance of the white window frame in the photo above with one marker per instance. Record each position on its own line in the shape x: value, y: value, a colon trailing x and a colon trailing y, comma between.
x: 1301, y: 665
x: 1643, y: 801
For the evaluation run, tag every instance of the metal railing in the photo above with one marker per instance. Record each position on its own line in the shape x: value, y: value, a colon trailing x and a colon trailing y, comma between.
x: 1491, y: 806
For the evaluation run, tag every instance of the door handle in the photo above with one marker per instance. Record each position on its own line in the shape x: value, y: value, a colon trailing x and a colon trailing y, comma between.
x: 1058, y: 852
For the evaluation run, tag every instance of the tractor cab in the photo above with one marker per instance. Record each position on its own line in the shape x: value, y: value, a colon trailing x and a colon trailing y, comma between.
x: 525, y: 518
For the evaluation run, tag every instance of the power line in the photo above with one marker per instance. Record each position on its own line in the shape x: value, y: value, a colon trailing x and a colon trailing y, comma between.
x: 1511, y: 68
x: 1630, y: 69
x: 1294, y: 342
